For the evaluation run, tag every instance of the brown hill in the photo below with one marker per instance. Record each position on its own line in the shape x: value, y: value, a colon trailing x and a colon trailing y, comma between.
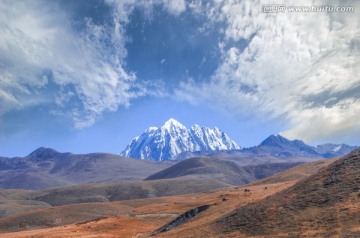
x: 46, y: 168
x: 15, y: 201
x: 19, y: 201
x: 230, y: 171
x: 124, y: 191
x: 296, y: 173
x: 325, y: 204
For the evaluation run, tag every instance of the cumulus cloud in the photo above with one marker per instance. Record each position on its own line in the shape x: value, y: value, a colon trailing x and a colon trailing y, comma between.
x: 298, y: 67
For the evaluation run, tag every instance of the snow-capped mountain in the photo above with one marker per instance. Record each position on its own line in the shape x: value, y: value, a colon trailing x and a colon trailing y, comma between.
x: 173, y: 138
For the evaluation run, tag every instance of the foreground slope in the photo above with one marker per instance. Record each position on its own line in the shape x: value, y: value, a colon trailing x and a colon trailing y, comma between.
x: 324, y: 204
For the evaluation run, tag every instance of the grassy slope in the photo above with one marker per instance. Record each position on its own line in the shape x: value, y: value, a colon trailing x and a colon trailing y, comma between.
x: 324, y: 204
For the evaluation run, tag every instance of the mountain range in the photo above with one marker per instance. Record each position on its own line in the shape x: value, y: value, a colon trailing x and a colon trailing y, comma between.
x: 279, y: 146
x: 174, y: 141
x: 173, y: 138
x: 214, y: 157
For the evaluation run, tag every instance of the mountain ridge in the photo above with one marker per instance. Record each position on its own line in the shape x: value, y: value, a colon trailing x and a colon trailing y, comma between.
x: 173, y: 138
x: 174, y: 141
x: 279, y: 146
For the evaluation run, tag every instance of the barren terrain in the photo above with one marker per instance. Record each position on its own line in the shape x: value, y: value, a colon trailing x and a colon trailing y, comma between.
x: 142, y: 217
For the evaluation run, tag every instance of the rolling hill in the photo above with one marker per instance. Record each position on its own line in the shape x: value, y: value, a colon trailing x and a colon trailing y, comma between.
x: 225, y: 170
x: 46, y: 168
x: 124, y: 191
x: 17, y: 201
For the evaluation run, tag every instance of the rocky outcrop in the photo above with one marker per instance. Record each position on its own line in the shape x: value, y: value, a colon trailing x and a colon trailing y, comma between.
x: 181, y: 219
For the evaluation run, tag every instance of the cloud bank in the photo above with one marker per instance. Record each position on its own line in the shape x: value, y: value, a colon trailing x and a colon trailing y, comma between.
x: 302, y: 68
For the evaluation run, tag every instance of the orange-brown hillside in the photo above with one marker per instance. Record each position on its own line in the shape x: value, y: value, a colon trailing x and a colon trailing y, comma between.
x: 326, y: 204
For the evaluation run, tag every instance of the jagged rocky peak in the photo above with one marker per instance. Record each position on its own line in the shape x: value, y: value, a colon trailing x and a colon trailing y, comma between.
x: 173, y: 138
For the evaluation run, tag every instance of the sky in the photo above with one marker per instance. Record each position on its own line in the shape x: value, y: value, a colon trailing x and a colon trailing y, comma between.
x: 89, y: 75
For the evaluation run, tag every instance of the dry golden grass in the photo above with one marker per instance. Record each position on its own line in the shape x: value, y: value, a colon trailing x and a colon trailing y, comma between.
x: 139, y: 218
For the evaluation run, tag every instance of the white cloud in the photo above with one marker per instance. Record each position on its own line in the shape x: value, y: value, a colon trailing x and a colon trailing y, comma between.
x: 301, y: 67
x: 340, y: 120
x: 175, y: 7
x: 291, y: 66
x: 38, y: 43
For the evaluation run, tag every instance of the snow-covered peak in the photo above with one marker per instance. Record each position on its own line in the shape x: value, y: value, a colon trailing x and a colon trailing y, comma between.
x: 173, y: 126
x: 151, y: 129
x: 172, y: 123
x: 173, y: 138
x: 195, y: 127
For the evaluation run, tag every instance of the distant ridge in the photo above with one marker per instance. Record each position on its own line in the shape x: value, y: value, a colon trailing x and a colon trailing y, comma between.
x: 173, y: 138
x: 47, y: 168
x: 279, y: 146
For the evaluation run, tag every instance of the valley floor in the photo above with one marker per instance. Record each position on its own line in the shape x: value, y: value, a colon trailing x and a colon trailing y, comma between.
x: 139, y: 218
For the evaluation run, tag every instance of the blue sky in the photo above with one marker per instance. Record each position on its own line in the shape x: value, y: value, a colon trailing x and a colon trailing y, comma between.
x: 88, y: 76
